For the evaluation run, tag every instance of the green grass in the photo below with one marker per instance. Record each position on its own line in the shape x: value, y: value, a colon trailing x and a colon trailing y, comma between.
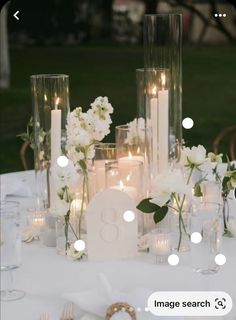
x: 209, y: 88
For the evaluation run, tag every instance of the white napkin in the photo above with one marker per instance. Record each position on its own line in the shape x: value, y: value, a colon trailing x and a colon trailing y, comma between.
x: 18, y: 184
x: 94, y: 303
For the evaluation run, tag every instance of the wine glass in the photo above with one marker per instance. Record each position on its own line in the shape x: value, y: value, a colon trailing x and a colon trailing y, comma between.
x: 10, y: 245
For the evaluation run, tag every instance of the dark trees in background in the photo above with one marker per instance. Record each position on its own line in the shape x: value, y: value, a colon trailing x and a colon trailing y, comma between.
x: 151, y: 6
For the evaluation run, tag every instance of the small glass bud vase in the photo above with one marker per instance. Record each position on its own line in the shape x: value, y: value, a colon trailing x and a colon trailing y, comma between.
x: 207, y: 226
x: 71, y: 225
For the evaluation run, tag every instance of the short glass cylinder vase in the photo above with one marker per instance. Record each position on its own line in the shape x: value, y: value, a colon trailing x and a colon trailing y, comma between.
x: 132, y: 145
x: 206, y: 237
x: 126, y: 176
x: 50, y: 99
x: 130, y: 141
x: 104, y: 153
x: 163, y: 79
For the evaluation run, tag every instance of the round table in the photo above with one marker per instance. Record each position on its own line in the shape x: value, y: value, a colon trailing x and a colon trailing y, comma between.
x: 46, y: 276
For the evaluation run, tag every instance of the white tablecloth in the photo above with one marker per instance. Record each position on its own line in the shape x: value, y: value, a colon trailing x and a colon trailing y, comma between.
x: 46, y: 276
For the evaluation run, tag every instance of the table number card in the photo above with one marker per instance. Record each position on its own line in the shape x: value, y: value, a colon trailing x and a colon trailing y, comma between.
x: 109, y: 235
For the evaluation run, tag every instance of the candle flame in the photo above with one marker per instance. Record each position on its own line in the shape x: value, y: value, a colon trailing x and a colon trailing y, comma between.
x: 128, y: 177
x: 154, y: 90
x: 57, y: 102
x: 163, y: 80
x: 45, y: 98
x: 121, y: 185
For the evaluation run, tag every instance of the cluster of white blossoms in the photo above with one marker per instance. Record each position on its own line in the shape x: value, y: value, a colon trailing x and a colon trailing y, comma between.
x: 136, y: 133
x: 85, y: 129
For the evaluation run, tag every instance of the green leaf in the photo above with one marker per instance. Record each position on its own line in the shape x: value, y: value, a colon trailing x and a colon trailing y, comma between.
x: 160, y: 214
x: 147, y: 207
x: 197, y: 190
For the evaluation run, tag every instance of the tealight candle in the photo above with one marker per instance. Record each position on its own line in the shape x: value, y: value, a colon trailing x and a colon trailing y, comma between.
x: 132, y: 157
x: 36, y: 220
x: 160, y: 244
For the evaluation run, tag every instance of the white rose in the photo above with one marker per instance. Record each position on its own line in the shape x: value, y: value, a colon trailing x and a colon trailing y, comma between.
x: 166, y: 184
x: 195, y: 155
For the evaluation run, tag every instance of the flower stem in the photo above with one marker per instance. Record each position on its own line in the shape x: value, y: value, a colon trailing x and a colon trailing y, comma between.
x: 180, y: 209
x: 85, y: 186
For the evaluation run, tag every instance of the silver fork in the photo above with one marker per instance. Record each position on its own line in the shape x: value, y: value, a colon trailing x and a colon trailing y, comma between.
x: 44, y: 316
x: 68, y: 312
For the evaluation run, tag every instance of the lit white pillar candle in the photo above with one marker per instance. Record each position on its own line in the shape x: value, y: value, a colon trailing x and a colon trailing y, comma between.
x: 163, y: 126
x: 154, y: 122
x: 130, y: 191
x: 55, y: 133
x: 132, y: 157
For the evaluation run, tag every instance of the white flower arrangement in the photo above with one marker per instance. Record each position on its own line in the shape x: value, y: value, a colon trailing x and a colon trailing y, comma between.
x: 136, y: 133
x: 171, y: 189
x: 84, y: 130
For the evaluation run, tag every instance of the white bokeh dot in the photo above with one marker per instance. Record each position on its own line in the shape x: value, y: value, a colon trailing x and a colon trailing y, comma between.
x: 196, y: 237
x: 173, y: 259
x: 224, y: 15
x: 216, y: 15
x: 62, y: 161
x: 220, y: 15
x: 129, y: 216
x: 220, y: 259
x: 146, y: 309
x: 79, y: 245
x: 139, y: 309
x: 187, y: 123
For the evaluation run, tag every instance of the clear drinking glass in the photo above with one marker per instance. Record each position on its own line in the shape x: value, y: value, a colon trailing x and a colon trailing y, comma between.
x: 10, y: 250
x: 207, y: 222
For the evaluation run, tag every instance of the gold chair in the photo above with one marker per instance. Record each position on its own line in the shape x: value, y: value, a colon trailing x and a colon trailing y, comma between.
x: 230, y: 134
x: 23, y: 151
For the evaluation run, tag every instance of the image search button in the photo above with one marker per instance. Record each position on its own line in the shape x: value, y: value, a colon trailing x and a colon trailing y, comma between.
x: 190, y: 303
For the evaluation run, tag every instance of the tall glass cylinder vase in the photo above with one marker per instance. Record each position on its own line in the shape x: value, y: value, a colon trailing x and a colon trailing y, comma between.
x: 163, y: 78
x: 50, y: 99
